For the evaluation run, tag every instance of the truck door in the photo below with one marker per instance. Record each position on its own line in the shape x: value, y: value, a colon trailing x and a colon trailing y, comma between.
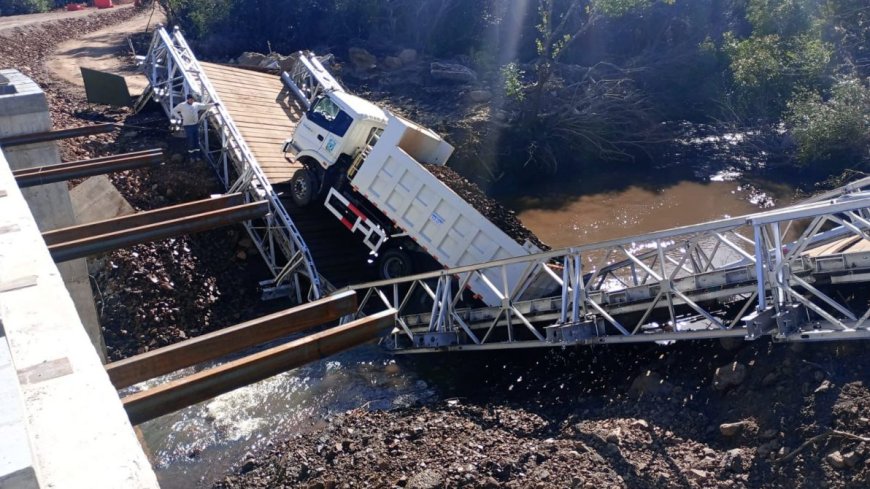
x: 323, y: 130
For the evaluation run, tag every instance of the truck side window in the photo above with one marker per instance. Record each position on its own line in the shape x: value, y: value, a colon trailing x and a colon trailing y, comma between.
x: 330, y: 117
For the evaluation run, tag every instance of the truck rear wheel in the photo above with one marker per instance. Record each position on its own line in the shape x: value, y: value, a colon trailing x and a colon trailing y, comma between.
x: 395, y: 263
x: 302, y: 187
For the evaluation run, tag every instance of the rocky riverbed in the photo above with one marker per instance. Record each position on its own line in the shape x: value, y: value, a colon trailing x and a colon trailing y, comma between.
x: 691, y: 415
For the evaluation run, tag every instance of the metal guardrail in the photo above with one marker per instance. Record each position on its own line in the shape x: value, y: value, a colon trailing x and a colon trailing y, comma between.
x: 740, y: 277
x: 174, y: 72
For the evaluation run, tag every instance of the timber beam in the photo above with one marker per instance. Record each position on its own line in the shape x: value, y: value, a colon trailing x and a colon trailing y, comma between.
x: 29, y: 177
x: 89, y: 239
x: 234, y: 339
x: 172, y: 396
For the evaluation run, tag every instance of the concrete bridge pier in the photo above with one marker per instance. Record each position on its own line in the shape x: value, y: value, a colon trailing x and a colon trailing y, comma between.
x: 24, y: 110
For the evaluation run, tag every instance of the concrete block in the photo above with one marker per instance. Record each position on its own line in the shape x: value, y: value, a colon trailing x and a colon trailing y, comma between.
x: 97, y: 199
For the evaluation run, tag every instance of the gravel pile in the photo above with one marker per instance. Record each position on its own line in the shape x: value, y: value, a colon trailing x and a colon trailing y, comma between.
x: 498, y: 214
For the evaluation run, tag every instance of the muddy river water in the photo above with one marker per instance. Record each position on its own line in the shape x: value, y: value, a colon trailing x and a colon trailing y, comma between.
x: 562, y: 220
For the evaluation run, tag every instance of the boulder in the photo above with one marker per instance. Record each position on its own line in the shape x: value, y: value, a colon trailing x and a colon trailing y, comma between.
x: 407, y: 56
x: 733, y: 429
x: 730, y: 375
x: 250, y: 58
x: 480, y: 96
x: 452, y: 72
x: 362, y: 60
x: 392, y: 63
x: 835, y: 459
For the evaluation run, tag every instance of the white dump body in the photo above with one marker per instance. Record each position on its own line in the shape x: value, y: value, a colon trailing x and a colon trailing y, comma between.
x: 437, y: 219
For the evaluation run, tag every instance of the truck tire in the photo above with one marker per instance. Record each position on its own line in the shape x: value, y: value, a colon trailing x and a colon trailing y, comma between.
x: 302, y: 187
x: 395, y: 263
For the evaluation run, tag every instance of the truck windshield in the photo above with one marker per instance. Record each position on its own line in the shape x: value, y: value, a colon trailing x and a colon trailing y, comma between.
x: 327, y: 108
x: 327, y: 115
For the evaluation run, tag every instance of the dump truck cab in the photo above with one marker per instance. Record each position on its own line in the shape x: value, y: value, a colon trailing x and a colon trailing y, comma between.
x: 330, y: 135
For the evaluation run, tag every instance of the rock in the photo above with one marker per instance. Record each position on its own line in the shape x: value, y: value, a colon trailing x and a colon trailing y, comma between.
x: 176, y: 158
x: 835, y: 459
x: 479, y: 96
x: 649, y: 384
x: 614, y: 436
x: 362, y: 60
x: 851, y: 458
x: 407, y: 56
x: 452, y: 72
x: 824, y: 387
x: 250, y: 58
x: 640, y: 423
x: 733, y: 429
x: 427, y: 479
x: 733, y: 459
x: 489, y: 483
x: 392, y: 62
x: 730, y: 375
x: 700, y: 474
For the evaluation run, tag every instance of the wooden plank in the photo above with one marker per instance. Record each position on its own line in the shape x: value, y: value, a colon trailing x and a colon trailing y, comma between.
x: 859, y: 247
x: 220, y: 343
x: 232, y: 71
x: 172, y: 396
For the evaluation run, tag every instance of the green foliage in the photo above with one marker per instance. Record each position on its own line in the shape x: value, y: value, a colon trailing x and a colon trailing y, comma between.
x: 17, y: 7
x: 618, y: 8
x: 834, y: 131
x: 784, y: 53
x: 782, y: 17
x: 512, y: 75
x: 199, y: 17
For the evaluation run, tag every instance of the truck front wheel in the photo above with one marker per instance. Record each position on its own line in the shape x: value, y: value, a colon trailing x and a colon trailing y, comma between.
x: 395, y: 263
x: 302, y: 187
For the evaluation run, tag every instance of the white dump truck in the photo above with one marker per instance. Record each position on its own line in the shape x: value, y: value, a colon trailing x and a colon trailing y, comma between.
x: 366, y: 166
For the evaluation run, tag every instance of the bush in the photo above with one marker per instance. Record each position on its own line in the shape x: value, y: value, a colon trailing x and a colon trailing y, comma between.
x: 835, y: 131
x: 17, y: 7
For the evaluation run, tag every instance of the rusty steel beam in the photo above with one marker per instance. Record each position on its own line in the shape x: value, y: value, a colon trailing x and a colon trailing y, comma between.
x: 193, y: 223
x: 41, y: 137
x: 29, y: 177
x: 234, y: 339
x: 200, y: 386
x: 82, y: 231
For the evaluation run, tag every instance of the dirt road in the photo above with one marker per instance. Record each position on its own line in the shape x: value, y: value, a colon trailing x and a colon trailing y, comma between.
x: 14, y: 21
x: 104, y: 50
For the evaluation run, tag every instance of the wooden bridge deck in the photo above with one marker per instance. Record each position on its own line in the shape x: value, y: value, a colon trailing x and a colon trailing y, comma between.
x: 263, y: 113
x: 266, y: 116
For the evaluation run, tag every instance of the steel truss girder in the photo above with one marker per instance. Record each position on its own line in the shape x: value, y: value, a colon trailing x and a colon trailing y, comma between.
x: 691, y: 282
x: 174, y: 72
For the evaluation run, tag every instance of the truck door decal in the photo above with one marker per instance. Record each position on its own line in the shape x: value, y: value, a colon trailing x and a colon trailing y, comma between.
x: 330, y: 144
